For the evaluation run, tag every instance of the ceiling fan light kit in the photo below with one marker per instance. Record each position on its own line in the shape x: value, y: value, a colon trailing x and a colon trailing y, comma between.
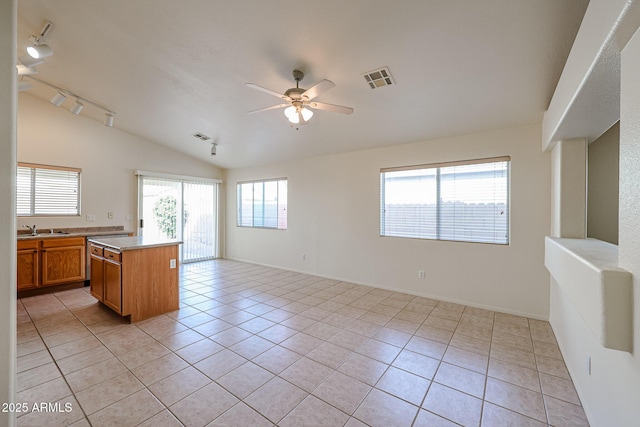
x: 298, y: 101
x: 294, y: 114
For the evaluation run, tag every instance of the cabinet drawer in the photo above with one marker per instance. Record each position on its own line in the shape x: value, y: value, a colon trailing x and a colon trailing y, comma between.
x: 65, y: 241
x: 112, y: 255
x: 96, y: 250
x: 28, y: 244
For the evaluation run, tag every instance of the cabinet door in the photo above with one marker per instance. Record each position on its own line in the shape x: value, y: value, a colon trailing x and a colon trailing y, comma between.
x: 97, y: 277
x: 27, y: 269
x: 63, y: 265
x: 113, y: 285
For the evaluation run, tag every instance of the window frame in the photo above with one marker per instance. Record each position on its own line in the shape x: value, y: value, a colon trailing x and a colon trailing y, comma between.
x: 33, y: 190
x: 439, y: 203
x: 281, y: 218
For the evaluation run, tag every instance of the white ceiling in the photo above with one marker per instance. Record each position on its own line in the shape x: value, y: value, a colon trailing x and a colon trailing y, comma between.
x: 172, y: 68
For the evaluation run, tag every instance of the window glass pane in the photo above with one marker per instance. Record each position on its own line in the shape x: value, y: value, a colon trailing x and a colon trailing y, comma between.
x: 24, y: 191
x: 245, y: 198
x: 47, y: 191
x: 258, y: 204
x: 466, y: 202
x: 262, y: 204
x: 282, y: 204
x: 56, y: 192
x: 271, y: 204
x: 410, y: 200
x: 474, y: 203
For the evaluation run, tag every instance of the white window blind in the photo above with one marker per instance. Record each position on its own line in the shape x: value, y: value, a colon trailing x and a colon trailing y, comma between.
x: 461, y: 201
x: 262, y: 204
x: 47, y: 190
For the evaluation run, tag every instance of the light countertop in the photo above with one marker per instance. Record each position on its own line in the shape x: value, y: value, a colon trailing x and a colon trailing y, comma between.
x: 133, y: 242
x: 45, y: 233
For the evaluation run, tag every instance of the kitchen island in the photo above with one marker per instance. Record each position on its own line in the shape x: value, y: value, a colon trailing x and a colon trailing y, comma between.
x: 135, y: 276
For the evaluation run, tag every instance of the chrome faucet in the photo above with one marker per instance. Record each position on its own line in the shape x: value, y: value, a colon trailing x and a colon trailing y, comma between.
x: 33, y: 230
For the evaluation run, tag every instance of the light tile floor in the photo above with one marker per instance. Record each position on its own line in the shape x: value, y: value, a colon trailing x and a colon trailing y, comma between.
x: 258, y: 346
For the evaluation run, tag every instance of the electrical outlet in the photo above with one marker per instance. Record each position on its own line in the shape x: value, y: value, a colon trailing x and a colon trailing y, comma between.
x: 172, y: 263
x: 91, y: 218
x: 420, y: 274
x: 110, y: 215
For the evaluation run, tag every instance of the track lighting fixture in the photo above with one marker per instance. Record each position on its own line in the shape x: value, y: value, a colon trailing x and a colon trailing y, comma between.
x: 39, y: 49
x: 76, y: 107
x: 58, y: 99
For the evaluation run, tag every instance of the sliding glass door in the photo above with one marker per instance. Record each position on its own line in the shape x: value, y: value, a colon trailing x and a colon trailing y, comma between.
x: 178, y: 208
x: 200, y: 231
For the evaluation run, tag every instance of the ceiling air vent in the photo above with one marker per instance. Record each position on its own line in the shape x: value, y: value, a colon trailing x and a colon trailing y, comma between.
x: 378, y: 78
x: 201, y: 136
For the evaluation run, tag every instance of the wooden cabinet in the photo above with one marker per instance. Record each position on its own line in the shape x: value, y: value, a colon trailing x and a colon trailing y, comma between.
x: 97, y: 272
x: 113, y: 285
x: 50, y: 262
x: 139, y: 283
x: 106, y: 276
x: 28, y: 265
x: 63, y: 260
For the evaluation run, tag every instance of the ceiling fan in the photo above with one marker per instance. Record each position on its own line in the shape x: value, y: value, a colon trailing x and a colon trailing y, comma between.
x: 299, y: 101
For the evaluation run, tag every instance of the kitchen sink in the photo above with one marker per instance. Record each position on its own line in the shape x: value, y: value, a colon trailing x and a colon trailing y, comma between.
x: 44, y: 233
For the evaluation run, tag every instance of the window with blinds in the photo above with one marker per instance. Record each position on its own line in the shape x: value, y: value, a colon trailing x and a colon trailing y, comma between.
x: 262, y: 204
x: 461, y: 201
x: 47, y: 190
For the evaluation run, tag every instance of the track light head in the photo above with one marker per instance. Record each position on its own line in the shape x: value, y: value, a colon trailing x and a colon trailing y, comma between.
x: 76, y: 107
x: 39, y: 48
x: 39, y: 51
x: 58, y: 99
x: 30, y: 62
x: 108, y: 120
x: 23, y: 85
x: 214, y: 149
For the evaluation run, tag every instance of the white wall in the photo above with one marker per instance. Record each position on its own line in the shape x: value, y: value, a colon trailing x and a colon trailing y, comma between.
x: 602, y: 184
x: 610, y: 395
x: 333, y: 218
x: 8, y: 10
x: 108, y: 158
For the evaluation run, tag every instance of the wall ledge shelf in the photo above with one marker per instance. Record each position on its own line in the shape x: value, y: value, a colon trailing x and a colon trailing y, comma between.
x: 587, y: 271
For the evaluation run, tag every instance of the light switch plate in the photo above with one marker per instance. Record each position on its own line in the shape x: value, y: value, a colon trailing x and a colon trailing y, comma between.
x: 172, y: 263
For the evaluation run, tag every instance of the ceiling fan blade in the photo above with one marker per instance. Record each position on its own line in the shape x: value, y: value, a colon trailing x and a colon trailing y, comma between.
x: 273, y: 107
x: 331, y: 107
x: 318, y: 88
x: 265, y: 90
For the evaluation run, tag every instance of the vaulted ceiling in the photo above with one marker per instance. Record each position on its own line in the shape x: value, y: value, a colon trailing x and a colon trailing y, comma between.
x: 172, y: 68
